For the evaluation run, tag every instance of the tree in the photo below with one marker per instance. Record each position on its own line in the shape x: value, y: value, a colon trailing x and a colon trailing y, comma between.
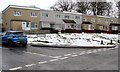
x: 100, y: 8
x: 63, y: 5
x: 118, y: 6
x: 82, y: 7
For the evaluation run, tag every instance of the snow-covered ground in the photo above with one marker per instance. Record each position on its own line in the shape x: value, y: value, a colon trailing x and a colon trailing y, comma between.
x: 74, y: 39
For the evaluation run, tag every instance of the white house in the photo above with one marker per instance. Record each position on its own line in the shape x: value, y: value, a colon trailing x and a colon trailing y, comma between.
x: 60, y: 20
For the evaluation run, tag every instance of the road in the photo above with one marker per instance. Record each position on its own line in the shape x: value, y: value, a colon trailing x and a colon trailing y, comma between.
x: 46, y: 58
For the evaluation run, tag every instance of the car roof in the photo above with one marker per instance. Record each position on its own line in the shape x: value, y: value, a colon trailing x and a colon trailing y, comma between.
x: 14, y: 31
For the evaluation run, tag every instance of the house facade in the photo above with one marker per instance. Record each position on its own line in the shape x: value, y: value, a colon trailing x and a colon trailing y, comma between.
x: 0, y: 22
x: 88, y: 22
x: 114, y: 25
x: 36, y: 20
x: 31, y: 19
x: 54, y: 20
x: 99, y: 23
x: 21, y: 18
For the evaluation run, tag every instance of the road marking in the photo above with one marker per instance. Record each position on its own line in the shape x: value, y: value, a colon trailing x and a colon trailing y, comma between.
x: 16, y: 68
x: 53, y: 60
x: 63, y: 58
x: 74, y: 55
x: 42, y: 62
x: 88, y: 52
x: 30, y: 65
x: 81, y: 53
x: 67, y: 54
x: 57, y: 57
x: 38, y: 54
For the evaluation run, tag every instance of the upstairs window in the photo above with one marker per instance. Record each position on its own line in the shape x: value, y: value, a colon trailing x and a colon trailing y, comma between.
x: 93, y: 20
x: 106, y: 20
x: 45, y: 15
x: 99, y: 20
x: 84, y: 19
x: 17, y: 13
x: 77, y: 17
x: 33, y: 14
x: 58, y: 16
x: 66, y: 16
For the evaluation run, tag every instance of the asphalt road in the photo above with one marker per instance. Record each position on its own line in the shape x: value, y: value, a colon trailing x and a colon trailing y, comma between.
x: 46, y: 58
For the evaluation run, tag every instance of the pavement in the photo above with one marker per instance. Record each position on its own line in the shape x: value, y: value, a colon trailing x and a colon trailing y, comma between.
x: 49, y: 58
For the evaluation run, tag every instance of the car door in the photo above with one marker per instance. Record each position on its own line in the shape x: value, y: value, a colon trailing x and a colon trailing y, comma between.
x: 4, y: 37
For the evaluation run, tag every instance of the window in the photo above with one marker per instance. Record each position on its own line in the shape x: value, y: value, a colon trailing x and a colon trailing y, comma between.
x: 33, y: 14
x: 84, y: 19
x: 66, y: 16
x: 106, y: 20
x: 45, y: 15
x: 99, y: 20
x: 27, y: 24
x: 93, y: 20
x: 77, y: 17
x: 111, y: 20
x: 58, y: 16
x: 17, y: 13
x: 72, y: 25
x: 114, y: 28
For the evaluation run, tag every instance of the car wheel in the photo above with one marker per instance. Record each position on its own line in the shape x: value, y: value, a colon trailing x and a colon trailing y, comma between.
x: 24, y: 45
x: 10, y: 43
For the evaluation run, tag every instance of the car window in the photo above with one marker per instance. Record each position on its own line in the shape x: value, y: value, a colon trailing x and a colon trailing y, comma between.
x: 18, y: 33
x: 8, y: 33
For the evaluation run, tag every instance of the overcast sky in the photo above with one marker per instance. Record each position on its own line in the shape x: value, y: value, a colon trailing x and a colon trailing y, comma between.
x: 43, y: 4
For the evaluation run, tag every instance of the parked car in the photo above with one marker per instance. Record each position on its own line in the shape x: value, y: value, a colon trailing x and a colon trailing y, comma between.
x: 14, y: 37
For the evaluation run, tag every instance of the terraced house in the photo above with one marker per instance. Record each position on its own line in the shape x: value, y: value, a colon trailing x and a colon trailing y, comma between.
x: 32, y: 19
x: 54, y: 20
x: 21, y: 18
x: 0, y: 22
x: 99, y: 24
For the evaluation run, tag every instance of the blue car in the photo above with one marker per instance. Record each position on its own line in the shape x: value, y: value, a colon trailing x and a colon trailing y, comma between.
x: 14, y: 37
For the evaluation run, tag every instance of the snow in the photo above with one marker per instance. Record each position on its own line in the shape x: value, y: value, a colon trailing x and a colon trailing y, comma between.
x: 74, y: 39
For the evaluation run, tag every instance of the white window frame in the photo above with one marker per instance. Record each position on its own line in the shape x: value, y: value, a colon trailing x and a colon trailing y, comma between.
x: 33, y: 14
x: 66, y: 16
x: 57, y: 16
x: 99, y: 20
x: 17, y: 13
x: 114, y: 28
x: 77, y: 17
x: 93, y: 19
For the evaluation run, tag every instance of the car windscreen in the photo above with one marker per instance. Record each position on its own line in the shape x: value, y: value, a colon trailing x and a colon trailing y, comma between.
x: 17, y: 33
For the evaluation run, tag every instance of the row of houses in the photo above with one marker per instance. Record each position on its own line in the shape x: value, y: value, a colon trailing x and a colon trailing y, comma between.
x: 36, y: 20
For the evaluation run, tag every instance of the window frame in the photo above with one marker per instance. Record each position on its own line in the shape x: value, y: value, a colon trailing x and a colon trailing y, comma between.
x: 33, y: 14
x: 17, y: 13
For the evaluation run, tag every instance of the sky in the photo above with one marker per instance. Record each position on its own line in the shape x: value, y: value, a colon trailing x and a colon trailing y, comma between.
x: 43, y: 4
